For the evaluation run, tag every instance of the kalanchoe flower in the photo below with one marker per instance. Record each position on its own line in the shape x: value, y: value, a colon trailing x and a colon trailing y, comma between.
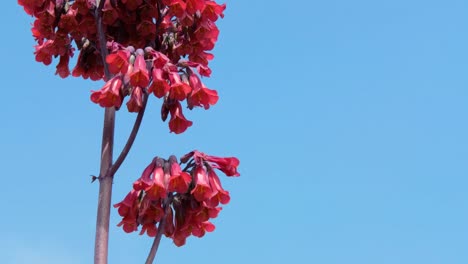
x: 136, y: 100
x: 158, y: 187
x: 192, y: 196
x: 140, y: 75
x: 159, y: 87
x: 178, y: 123
x: 228, y: 165
x: 201, y: 96
x: 179, y: 89
x: 118, y: 62
x: 110, y: 94
x: 202, y: 190
x: 128, y: 209
x: 179, y: 180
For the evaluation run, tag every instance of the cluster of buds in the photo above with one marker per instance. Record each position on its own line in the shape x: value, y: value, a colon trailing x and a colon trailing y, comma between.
x: 153, y: 46
x: 181, y: 202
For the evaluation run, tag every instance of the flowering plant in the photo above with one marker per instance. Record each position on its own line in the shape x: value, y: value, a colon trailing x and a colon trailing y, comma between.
x: 141, y: 48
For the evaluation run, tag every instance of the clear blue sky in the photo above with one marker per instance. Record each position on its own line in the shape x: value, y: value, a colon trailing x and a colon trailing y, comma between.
x: 350, y: 119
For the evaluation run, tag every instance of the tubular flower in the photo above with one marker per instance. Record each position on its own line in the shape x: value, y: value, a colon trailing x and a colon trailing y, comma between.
x: 178, y: 123
x: 187, y: 199
x: 110, y: 94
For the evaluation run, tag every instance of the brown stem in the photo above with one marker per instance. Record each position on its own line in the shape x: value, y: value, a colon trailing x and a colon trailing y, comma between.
x: 105, y: 180
x: 157, y: 239
x: 105, y: 190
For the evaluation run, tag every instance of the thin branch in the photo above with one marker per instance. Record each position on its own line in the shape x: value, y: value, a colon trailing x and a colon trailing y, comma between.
x: 162, y: 224
x: 131, y: 138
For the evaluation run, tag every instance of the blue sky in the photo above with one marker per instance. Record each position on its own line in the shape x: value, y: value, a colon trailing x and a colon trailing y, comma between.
x: 349, y: 118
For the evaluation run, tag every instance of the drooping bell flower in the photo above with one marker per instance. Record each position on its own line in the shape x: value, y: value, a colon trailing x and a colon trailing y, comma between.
x: 219, y: 194
x: 179, y: 180
x: 118, y: 62
x: 178, y: 123
x: 158, y: 188
x: 128, y: 209
x: 159, y: 87
x: 140, y: 75
x: 62, y: 67
x: 202, y: 190
x: 179, y: 89
x: 136, y: 100
x: 109, y: 95
x: 228, y: 165
x: 145, y: 180
x: 201, y: 96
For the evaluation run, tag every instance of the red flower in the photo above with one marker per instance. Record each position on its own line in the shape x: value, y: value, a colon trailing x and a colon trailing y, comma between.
x: 159, y: 87
x: 202, y: 190
x: 62, y: 68
x: 158, y: 188
x: 109, y: 13
x: 128, y: 209
x: 140, y: 75
x: 118, y: 62
x: 145, y: 180
x: 179, y: 89
x: 227, y: 165
x: 136, y: 100
x: 201, y: 96
x: 213, y: 10
x: 199, y: 230
x: 219, y: 194
x: 109, y: 95
x: 179, y: 181
x: 178, y: 123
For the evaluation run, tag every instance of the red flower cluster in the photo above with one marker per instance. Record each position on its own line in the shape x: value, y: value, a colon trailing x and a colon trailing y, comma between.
x: 183, y: 199
x: 171, y: 39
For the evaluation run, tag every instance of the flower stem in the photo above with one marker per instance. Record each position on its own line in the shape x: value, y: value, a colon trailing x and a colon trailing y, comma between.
x: 105, y: 189
x: 131, y: 138
x: 105, y: 180
x: 157, y: 239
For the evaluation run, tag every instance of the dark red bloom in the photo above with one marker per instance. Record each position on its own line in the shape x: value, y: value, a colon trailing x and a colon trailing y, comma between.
x: 136, y: 100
